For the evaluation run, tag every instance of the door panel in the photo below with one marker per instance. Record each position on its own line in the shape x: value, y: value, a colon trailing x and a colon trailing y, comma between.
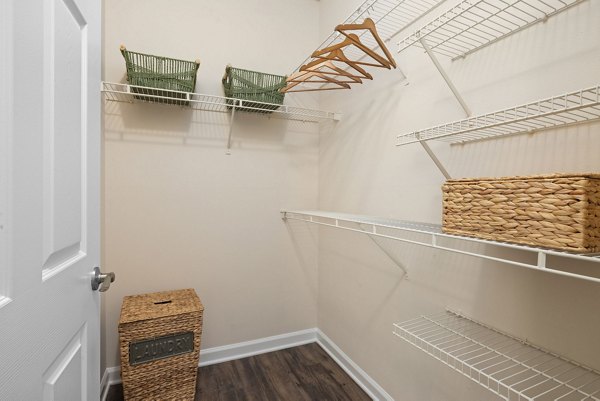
x: 64, y: 66
x: 66, y: 375
x: 5, y: 123
x: 49, y: 321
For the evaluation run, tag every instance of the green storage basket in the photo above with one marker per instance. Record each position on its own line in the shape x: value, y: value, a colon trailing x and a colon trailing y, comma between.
x: 165, y: 74
x: 252, y: 86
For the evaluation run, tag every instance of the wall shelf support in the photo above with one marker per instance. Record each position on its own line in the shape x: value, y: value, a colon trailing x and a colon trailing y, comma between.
x: 447, y: 79
x: 456, y: 94
x: 435, y: 160
x: 231, y: 118
x: 391, y: 257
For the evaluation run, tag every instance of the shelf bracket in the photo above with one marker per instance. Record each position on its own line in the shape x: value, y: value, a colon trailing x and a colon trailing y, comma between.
x: 385, y: 251
x: 230, y: 129
x: 456, y: 94
x: 444, y: 75
x: 435, y: 160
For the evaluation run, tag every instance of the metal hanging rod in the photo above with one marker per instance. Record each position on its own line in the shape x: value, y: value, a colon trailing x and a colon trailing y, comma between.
x: 432, y: 236
x: 571, y: 108
x: 390, y: 16
x: 138, y: 94
x: 474, y: 24
x: 507, y: 366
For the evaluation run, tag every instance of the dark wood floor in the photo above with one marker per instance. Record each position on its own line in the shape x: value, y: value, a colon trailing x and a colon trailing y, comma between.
x: 304, y: 373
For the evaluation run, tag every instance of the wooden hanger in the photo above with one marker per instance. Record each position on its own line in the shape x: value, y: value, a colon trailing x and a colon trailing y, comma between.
x: 369, y: 25
x: 309, y: 76
x: 304, y: 77
x: 352, y: 39
x: 327, y: 67
x: 338, y: 55
x: 286, y: 90
x: 291, y: 85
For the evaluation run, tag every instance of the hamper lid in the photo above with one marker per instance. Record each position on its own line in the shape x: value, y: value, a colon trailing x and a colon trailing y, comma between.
x: 159, y: 304
x: 529, y: 177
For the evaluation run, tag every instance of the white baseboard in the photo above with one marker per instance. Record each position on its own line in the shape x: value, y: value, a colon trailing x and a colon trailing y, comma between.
x: 111, y: 376
x: 245, y: 349
x: 370, y: 386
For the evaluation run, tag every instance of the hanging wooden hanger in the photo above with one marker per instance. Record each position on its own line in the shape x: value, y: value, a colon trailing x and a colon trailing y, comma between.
x: 327, y: 67
x: 288, y: 90
x: 305, y: 77
x: 309, y: 76
x: 368, y: 25
x: 353, y: 40
x: 338, y: 55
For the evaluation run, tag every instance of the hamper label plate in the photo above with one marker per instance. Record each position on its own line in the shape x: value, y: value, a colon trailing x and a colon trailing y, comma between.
x: 161, y: 347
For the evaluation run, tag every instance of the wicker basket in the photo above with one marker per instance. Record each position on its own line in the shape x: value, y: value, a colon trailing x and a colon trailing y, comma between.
x: 160, y: 76
x: 556, y: 211
x: 255, y: 87
x: 159, y: 336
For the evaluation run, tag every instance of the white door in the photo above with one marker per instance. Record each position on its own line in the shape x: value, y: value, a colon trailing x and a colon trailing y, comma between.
x: 49, y: 199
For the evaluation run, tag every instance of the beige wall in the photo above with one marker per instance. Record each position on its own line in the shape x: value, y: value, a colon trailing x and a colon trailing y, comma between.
x: 362, y: 291
x: 179, y: 212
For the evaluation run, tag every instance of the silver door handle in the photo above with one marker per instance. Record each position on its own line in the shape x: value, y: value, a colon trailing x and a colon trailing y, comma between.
x: 101, y: 281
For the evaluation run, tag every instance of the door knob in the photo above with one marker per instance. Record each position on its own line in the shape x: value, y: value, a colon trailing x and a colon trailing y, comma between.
x: 101, y: 281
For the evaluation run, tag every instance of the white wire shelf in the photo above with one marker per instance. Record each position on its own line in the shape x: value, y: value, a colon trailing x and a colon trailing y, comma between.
x: 431, y: 235
x: 474, y: 24
x: 390, y: 17
x: 138, y: 94
x: 507, y: 366
x: 572, y: 108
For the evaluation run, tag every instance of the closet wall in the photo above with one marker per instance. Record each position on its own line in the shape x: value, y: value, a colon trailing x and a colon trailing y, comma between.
x: 179, y: 212
x: 361, y: 290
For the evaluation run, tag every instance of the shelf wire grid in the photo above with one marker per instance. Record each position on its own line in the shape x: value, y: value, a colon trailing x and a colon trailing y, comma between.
x: 509, y: 367
x: 572, y: 108
x: 135, y: 94
x: 390, y: 17
x: 431, y: 235
x: 474, y: 24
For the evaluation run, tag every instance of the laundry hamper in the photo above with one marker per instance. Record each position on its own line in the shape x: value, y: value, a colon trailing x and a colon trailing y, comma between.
x: 168, y: 78
x: 253, y: 87
x: 559, y: 211
x: 159, y: 338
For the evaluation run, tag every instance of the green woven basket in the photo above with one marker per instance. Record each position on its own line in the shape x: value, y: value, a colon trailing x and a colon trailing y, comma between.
x: 252, y: 86
x: 165, y: 74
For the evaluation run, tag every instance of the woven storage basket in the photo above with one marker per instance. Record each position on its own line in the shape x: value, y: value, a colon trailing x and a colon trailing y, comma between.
x: 161, y: 76
x: 159, y: 336
x: 254, y: 86
x: 555, y: 211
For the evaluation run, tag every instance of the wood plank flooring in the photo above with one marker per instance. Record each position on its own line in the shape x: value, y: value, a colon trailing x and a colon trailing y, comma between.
x: 304, y: 373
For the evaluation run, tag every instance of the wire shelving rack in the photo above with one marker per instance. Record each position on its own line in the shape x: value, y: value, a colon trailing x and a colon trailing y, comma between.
x: 474, y: 24
x: 136, y: 94
x: 432, y: 236
x: 505, y: 365
x: 571, y: 108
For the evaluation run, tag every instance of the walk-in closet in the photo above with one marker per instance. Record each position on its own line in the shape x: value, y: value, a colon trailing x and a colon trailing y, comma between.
x: 300, y: 200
